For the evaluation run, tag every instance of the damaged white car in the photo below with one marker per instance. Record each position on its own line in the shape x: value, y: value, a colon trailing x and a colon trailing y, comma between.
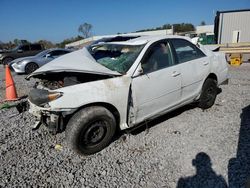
x: 94, y: 92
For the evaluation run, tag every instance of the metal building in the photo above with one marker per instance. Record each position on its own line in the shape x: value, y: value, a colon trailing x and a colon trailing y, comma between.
x: 232, y: 26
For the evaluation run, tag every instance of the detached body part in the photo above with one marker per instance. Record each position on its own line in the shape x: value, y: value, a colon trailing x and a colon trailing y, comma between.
x: 94, y: 92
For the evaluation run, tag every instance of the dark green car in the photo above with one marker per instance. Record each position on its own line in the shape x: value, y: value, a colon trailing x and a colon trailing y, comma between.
x: 20, y: 51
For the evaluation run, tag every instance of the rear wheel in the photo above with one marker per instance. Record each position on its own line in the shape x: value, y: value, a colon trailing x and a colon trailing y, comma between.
x: 31, y: 67
x: 7, y: 60
x: 208, y: 94
x: 90, y: 130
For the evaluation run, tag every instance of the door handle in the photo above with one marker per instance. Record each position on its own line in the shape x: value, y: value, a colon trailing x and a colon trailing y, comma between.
x: 174, y: 74
x: 205, y: 63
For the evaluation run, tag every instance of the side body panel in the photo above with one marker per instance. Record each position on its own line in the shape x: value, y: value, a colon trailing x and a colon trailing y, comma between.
x: 193, y: 74
x: 155, y: 92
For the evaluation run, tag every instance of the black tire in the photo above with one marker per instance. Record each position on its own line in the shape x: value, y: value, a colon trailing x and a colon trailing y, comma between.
x: 90, y: 130
x: 31, y: 67
x: 208, y: 94
x: 7, y: 60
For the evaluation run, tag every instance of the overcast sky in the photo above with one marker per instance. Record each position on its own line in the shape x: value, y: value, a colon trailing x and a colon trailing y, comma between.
x: 56, y: 20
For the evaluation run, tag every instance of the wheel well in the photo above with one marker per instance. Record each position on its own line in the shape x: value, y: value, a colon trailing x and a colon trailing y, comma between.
x: 108, y: 106
x: 7, y: 57
x: 212, y: 76
x: 30, y: 63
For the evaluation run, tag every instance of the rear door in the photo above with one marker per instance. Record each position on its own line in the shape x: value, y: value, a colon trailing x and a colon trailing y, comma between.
x: 158, y: 88
x: 194, y: 67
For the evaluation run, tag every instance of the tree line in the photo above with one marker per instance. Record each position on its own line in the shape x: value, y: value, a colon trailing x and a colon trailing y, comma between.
x: 85, y: 30
x: 178, y: 27
x: 46, y: 43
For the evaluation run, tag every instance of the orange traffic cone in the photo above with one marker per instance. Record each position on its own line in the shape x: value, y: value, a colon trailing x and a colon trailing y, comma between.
x: 10, y: 85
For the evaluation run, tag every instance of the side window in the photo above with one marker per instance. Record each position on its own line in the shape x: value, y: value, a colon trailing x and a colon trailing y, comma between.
x: 158, y: 57
x: 35, y: 47
x: 185, y: 50
x: 57, y: 53
x: 62, y: 52
x: 25, y: 48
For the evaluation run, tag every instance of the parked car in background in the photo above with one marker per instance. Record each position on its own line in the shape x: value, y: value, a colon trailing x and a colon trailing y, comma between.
x: 30, y: 64
x: 23, y: 50
x: 93, y: 92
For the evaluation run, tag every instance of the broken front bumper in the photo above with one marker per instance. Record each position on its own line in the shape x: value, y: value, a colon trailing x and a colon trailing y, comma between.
x: 52, y: 119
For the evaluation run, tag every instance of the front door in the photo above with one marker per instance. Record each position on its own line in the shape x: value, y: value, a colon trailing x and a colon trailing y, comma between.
x: 159, y: 87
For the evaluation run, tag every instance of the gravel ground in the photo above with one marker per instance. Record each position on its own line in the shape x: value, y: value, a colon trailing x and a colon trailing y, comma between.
x: 186, y: 148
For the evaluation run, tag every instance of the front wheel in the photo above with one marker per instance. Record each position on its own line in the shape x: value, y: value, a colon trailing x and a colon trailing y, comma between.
x: 208, y: 94
x: 90, y: 130
x: 7, y: 60
x: 31, y: 67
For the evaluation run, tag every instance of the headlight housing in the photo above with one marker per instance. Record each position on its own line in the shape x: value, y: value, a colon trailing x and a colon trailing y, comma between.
x: 41, y: 97
x: 19, y: 62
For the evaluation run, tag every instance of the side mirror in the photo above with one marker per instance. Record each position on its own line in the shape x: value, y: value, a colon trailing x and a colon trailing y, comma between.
x: 19, y: 51
x: 47, y: 55
x: 139, y: 71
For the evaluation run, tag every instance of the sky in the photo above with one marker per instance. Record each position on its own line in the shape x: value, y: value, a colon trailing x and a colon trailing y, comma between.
x: 56, y: 20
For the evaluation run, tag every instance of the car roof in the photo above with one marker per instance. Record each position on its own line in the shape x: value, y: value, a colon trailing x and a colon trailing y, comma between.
x: 52, y: 49
x: 148, y: 38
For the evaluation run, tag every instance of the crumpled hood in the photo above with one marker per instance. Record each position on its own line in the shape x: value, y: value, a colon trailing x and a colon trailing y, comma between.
x: 77, y: 61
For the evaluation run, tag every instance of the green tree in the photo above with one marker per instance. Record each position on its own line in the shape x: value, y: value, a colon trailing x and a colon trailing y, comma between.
x: 167, y: 26
x: 69, y: 40
x: 16, y: 41
x: 85, y: 29
x: 46, y: 44
x: 203, y: 23
x: 179, y: 27
x: 183, y: 27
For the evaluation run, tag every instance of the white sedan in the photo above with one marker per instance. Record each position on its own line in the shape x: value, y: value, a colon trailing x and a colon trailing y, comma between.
x: 93, y: 92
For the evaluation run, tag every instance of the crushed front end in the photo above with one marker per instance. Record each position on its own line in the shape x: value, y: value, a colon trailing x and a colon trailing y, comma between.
x: 53, y: 119
x: 47, y: 90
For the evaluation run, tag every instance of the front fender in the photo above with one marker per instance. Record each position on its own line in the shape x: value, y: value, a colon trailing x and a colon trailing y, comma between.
x: 113, y: 91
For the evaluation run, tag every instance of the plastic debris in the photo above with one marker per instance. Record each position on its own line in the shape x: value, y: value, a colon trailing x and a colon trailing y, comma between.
x: 7, y: 106
x: 58, y: 147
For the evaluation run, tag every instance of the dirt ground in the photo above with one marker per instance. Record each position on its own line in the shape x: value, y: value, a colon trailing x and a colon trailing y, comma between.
x: 185, y: 148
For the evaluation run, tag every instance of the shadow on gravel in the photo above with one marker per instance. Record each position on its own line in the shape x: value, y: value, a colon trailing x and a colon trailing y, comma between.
x: 239, y: 167
x: 205, y: 176
x: 146, y: 125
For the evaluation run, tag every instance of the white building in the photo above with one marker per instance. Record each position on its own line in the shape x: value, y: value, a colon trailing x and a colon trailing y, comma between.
x: 209, y: 29
x: 232, y: 26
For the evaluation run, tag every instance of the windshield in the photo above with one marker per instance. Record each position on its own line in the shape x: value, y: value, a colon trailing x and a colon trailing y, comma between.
x: 116, y: 57
x: 41, y: 54
x: 15, y: 49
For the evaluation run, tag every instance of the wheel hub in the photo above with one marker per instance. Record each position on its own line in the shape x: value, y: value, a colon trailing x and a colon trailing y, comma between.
x: 95, y: 133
